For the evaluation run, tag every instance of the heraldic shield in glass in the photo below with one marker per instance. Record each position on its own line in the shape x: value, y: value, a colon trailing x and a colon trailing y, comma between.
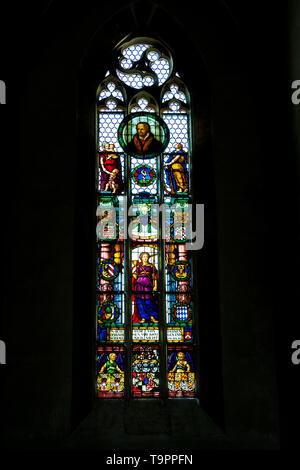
x: 144, y: 272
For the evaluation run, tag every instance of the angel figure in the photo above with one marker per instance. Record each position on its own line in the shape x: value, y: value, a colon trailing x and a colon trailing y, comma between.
x: 183, y: 362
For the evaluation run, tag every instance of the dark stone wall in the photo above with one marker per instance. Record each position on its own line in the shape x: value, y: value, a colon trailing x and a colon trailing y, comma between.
x: 48, y: 321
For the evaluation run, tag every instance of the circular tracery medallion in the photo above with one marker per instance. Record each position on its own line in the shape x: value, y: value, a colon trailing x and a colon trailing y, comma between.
x: 143, y: 135
x: 144, y: 175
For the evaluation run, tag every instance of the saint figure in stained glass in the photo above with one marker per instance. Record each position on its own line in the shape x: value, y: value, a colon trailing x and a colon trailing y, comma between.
x: 176, y: 169
x: 111, y: 170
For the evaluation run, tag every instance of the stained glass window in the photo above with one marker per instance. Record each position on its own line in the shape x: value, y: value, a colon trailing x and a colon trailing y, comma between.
x: 146, y: 341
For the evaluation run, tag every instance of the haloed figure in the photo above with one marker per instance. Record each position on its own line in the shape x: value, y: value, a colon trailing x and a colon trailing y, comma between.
x: 144, y: 284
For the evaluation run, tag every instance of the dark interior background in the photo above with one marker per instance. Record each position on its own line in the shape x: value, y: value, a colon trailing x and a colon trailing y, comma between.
x: 238, y: 59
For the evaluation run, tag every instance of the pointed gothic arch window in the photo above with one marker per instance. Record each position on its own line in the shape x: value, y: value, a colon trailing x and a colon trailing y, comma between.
x: 146, y: 339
